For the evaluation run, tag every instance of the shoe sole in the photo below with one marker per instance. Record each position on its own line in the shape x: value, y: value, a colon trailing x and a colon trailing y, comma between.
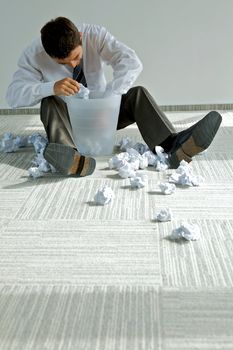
x: 201, y: 138
x: 68, y: 161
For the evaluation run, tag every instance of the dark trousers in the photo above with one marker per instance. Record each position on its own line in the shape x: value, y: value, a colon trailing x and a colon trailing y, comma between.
x: 137, y: 105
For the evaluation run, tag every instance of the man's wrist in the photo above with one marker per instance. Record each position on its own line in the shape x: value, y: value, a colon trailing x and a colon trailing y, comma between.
x: 47, y: 89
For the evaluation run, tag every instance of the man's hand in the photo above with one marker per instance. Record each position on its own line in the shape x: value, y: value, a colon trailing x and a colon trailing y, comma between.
x: 67, y: 87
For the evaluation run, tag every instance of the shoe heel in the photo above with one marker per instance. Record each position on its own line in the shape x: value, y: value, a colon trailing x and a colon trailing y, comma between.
x: 177, y: 157
x: 191, y: 148
x: 203, y: 134
x: 68, y: 161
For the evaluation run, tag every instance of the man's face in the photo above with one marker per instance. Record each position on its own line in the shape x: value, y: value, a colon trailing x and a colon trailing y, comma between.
x: 73, y: 59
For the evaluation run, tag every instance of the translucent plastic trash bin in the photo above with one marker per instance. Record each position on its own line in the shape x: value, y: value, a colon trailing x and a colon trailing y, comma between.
x: 94, y: 123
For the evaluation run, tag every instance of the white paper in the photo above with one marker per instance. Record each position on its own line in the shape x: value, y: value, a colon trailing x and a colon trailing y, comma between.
x: 104, y: 195
x: 139, y: 180
x: 143, y: 162
x: 163, y: 215
x: 190, y: 232
x: 21, y: 141
x: 39, y: 142
x: 35, y: 172
x: 126, y: 171
x: 128, y: 162
x: 184, y: 175
x: 125, y: 143
x: 10, y: 143
x: 83, y: 92
x: 139, y: 156
x: 118, y: 160
x: 167, y: 188
x: 151, y: 157
x: 141, y: 148
x: 162, y: 159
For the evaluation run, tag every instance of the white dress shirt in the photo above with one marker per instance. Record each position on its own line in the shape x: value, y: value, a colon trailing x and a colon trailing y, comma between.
x: 37, y: 71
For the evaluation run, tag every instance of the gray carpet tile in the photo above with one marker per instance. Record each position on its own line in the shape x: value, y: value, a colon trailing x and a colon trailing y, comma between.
x: 200, y: 264
x: 14, y: 165
x: 12, y: 197
x: 74, y: 199
x: 205, y: 201
x: 21, y: 124
x: 215, y: 167
x: 70, y: 318
x: 197, y: 319
x: 119, y: 252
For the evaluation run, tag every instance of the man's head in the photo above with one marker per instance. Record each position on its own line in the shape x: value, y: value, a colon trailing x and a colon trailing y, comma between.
x: 62, y: 41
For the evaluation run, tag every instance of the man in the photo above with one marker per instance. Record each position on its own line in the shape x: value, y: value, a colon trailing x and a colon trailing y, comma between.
x: 65, y: 57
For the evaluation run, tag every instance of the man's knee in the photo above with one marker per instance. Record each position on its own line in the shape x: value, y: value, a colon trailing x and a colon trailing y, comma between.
x: 50, y: 100
x: 138, y: 90
x: 51, y: 103
x: 43, y: 108
x: 45, y: 103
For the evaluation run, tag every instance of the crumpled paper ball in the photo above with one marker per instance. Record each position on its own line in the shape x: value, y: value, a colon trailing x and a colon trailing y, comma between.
x: 141, y: 148
x: 39, y: 142
x: 118, y: 160
x: 184, y: 175
x: 10, y: 143
x: 125, y: 143
x: 126, y: 171
x: 83, y: 92
x: 167, y: 188
x: 35, y: 172
x: 190, y: 232
x: 104, y: 195
x: 163, y: 215
x: 139, y: 180
x: 128, y: 162
x: 40, y: 163
x: 143, y: 162
x: 162, y: 159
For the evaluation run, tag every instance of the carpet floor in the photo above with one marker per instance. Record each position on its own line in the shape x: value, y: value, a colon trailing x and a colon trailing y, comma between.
x: 77, y: 276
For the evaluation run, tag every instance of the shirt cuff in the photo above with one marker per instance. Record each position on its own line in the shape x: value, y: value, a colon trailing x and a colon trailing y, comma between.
x: 46, y: 89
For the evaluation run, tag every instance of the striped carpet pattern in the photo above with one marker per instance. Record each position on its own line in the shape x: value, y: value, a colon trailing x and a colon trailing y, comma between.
x: 77, y: 276
x: 80, y: 253
x: 68, y: 317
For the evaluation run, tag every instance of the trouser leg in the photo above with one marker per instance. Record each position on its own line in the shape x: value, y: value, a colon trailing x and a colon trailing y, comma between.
x: 137, y: 105
x: 54, y: 115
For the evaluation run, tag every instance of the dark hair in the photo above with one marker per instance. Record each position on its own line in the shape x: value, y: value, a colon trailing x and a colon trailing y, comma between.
x: 59, y: 37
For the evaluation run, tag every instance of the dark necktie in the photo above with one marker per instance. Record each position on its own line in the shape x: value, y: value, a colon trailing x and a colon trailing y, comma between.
x: 79, y: 76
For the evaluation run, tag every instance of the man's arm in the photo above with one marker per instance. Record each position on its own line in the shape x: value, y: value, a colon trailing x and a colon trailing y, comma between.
x: 124, y: 61
x: 28, y: 86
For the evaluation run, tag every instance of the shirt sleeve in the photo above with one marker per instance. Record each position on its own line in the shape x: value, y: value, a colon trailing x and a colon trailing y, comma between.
x: 27, y: 87
x: 123, y: 60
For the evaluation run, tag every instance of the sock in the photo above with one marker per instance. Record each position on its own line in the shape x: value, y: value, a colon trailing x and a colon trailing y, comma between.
x: 177, y: 140
x: 168, y: 143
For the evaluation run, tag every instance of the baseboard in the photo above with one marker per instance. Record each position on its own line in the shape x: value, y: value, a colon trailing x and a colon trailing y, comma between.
x: 19, y: 111
x: 198, y: 107
x: 165, y: 108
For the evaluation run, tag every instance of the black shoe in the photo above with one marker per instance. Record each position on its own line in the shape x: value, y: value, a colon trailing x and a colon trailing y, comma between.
x: 195, y: 139
x: 68, y: 161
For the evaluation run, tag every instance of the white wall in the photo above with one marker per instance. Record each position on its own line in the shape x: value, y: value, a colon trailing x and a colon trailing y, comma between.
x: 186, y: 45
